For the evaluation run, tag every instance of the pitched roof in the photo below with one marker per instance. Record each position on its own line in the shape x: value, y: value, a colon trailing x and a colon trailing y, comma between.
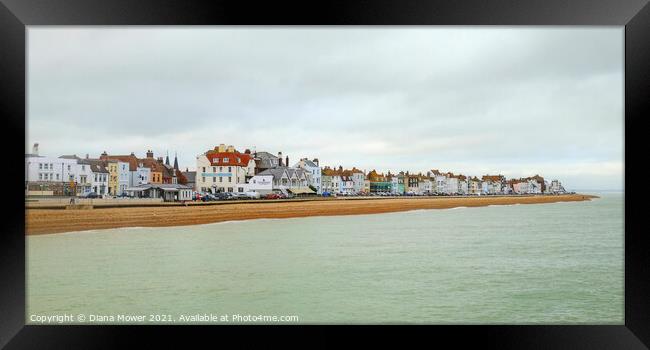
x: 327, y: 171
x: 73, y: 156
x: 190, y: 176
x: 309, y: 163
x: 153, y: 164
x: 228, y: 158
x: 494, y: 178
x: 131, y: 159
x: 275, y: 172
x: 96, y: 165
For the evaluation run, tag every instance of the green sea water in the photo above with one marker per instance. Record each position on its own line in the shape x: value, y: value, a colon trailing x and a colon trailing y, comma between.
x: 559, y: 263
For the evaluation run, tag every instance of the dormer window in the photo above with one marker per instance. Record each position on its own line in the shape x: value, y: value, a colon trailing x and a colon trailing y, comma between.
x: 225, y: 160
x: 216, y: 160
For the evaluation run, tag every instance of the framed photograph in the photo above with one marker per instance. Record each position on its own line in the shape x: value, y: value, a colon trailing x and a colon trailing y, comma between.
x: 457, y: 170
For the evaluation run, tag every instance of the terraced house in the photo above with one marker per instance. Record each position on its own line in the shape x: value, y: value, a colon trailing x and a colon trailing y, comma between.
x: 493, y: 184
x: 224, y: 169
x: 331, y: 180
x: 379, y: 183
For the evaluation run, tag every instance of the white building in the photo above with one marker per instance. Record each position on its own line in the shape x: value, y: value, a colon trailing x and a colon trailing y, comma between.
x: 463, y: 185
x: 451, y: 184
x: 313, y: 168
x: 123, y: 177
x: 358, y: 180
x: 425, y: 185
x: 140, y: 176
x: 493, y: 184
x: 282, y: 179
x: 224, y: 169
x: 439, y: 181
x: 331, y: 180
x: 99, y: 175
x: 556, y: 187
x: 48, y: 169
x: 346, y: 185
x: 474, y: 186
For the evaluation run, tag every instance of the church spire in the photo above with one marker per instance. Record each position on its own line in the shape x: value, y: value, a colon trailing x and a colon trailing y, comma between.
x: 167, y: 159
x: 175, y: 161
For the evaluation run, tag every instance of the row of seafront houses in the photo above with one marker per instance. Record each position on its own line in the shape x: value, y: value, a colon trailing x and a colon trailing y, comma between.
x: 114, y: 175
x: 224, y: 169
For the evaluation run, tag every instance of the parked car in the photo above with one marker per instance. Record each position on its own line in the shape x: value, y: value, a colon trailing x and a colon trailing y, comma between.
x: 238, y: 195
x: 208, y: 197
x: 273, y: 196
x: 252, y: 195
x: 222, y: 196
x: 123, y: 195
x: 91, y: 195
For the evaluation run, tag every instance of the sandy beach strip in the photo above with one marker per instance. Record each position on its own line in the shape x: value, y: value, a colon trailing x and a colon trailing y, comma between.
x: 46, y: 221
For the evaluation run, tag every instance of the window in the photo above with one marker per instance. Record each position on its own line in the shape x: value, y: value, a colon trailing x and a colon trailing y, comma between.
x: 57, y: 176
x: 220, y: 179
x: 68, y: 167
x: 203, y: 171
x: 203, y: 180
x: 229, y: 169
x: 240, y: 189
x: 229, y: 179
x: 214, y: 169
x: 40, y: 176
x: 83, y: 168
x: 40, y: 166
x: 220, y: 169
x: 225, y: 160
x: 214, y: 179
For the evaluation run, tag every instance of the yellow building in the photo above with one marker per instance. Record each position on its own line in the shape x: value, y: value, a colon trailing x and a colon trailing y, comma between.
x: 113, y: 177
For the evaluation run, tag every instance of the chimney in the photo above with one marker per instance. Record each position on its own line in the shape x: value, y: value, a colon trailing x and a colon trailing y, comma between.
x: 87, y: 156
x: 35, y: 149
x: 133, y: 154
x: 279, y: 158
x: 149, y: 154
x: 316, y: 161
x: 287, y: 161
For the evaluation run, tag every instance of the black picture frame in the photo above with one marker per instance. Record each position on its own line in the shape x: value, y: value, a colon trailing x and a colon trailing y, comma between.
x: 15, y: 15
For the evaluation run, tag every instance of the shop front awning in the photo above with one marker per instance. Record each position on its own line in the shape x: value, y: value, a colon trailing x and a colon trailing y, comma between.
x: 137, y: 189
x: 301, y: 190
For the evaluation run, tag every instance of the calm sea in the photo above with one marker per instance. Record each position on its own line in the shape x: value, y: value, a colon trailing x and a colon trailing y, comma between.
x: 559, y: 263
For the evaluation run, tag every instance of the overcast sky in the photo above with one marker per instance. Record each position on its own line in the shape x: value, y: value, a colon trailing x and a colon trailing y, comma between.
x: 475, y: 100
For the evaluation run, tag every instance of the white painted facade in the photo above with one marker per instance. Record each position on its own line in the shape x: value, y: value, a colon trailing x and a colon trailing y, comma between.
x: 48, y: 169
x: 358, y: 180
x: 226, y: 178
x: 311, y: 166
x: 123, y: 177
